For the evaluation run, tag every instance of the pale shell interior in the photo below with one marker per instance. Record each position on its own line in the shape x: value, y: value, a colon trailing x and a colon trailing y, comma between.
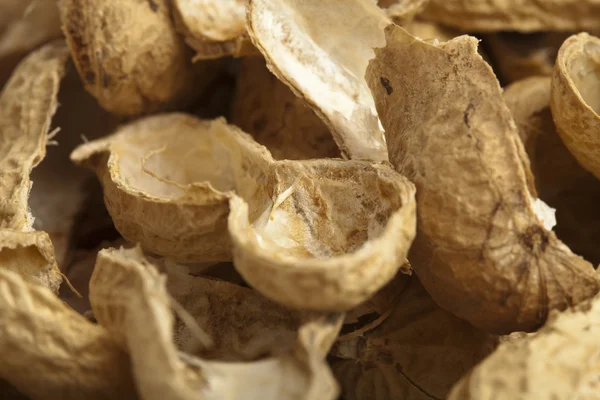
x: 323, y: 209
x: 584, y: 70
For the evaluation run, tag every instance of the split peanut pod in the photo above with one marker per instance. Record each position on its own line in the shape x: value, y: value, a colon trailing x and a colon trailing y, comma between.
x: 560, y: 361
x: 128, y: 54
x: 235, y: 318
x: 295, y: 229
x: 321, y: 50
x: 482, y: 251
x: 515, y: 15
x: 559, y: 179
x: 333, y: 233
x: 214, y: 28
x: 27, y: 104
x: 575, y: 100
x: 167, y: 181
x: 278, y: 119
x: 129, y: 297
x: 51, y: 352
x: 418, y: 351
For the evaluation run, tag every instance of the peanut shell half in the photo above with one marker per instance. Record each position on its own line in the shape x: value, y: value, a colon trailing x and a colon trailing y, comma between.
x: 482, y: 251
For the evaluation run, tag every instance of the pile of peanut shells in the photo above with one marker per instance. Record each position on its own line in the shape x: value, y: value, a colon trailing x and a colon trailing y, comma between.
x: 299, y: 199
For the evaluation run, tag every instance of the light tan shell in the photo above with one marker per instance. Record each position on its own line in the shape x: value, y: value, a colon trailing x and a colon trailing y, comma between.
x: 515, y: 15
x: 129, y: 55
x: 320, y: 49
x: 517, y: 56
x: 278, y: 119
x: 419, y: 351
x: 167, y: 181
x: 27, y: 104
x: 51, y: 352
x: 214, y: 28
x: 481, y: 251
x: 31, y: 255
x: 129, y: 297
x: 402, y: 12
x: 332, y: 234
x: 560, y: 181
x: 575, y: 101
x: 559, y: 362
x: 242, y: 324
x: 24, y: 26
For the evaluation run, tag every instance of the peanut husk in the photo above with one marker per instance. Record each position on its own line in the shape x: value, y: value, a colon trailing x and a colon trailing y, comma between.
x: 129, y: 297
x: 482, y: 251
x: 321, y: 50
x: 559, y: 179
x: 574, y: 98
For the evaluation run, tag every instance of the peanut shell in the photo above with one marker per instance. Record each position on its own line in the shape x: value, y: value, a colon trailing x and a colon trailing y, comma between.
x: 315, y: 246
x: 574, y: 98
x: 27, y: 104
x: 128, y: 54
x: 288, y: 213
x: 559, y: 179
x: 183, y: 184
x: 51, y: 352
x: 559, y: 362
x: 321, y: 50
x: 129, y: 297
x: 481, y: 250
x: 235, y: 318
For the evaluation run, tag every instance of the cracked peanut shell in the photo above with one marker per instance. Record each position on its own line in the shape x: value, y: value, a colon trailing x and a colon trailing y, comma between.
x: 167, y: 180
x: 294, y: 228
x: 321, y: 50
x: 333, y: 233
x: 575, y: 101
x: 51, y: 352
x: 481, y: 249
x: 130, y: 299
x: 559, y: 362
x: 129, y: 55
x: 515, y: 15
x: 559, y: 179
x: 27, y: 104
